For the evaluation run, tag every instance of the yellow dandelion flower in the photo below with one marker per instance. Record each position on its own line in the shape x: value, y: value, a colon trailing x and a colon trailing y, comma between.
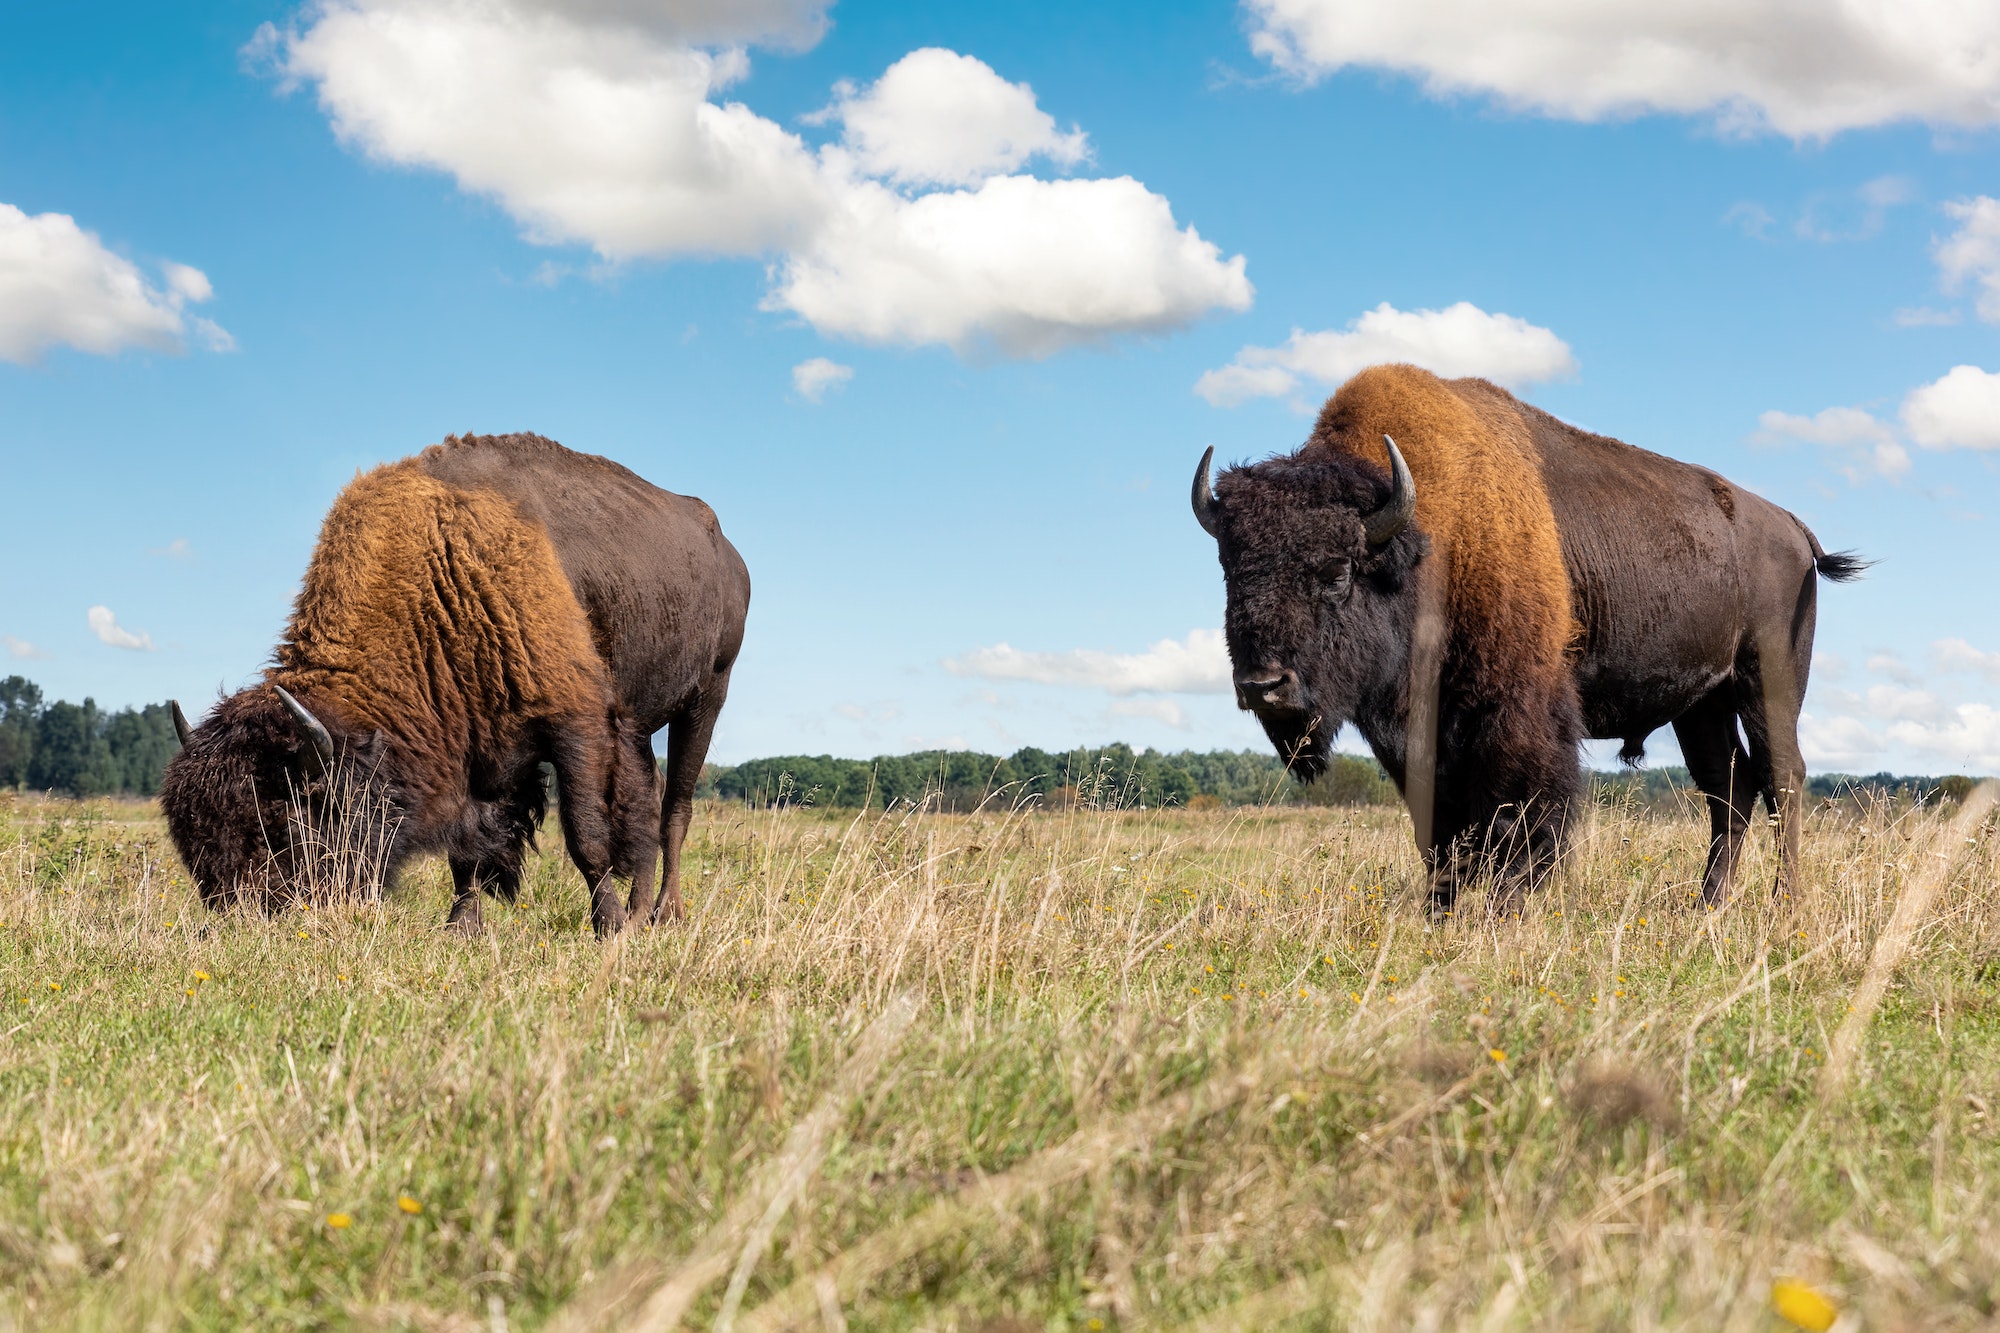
x: 1499, y: 1056
x: 55, y: 985
x: 304, y: 936
x: 200, y: 975
x: 190, y: 990
x: 339, y: 1221
x: 1801, y: 1306
x: 408, y: 1205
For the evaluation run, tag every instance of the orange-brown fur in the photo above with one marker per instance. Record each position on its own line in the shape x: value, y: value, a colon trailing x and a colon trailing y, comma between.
x: 1481, y: 502
x: 420, y: 592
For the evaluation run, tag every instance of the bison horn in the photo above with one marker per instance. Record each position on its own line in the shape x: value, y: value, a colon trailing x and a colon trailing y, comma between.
x: 315, y: 731
x: 181, y: 727
x: 1204, y: 494
x: 1395, y: 513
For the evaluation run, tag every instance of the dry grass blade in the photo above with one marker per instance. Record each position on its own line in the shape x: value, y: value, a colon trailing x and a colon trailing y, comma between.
x: 1919, y: 892
x: 1069, y: 1160
x: 746, y: 1228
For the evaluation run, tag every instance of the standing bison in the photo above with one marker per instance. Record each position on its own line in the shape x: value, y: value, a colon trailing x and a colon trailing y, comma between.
x: 496, y: 603
x: 1514, y: 586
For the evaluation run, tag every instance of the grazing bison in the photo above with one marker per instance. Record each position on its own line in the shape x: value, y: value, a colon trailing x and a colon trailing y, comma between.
x: 1514, y: 586
x: 462, y: 622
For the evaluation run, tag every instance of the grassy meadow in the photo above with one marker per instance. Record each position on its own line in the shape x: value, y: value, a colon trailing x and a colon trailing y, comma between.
x: 1011, y: 1071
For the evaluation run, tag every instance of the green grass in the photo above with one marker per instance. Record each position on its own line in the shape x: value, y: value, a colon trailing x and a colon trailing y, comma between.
x: 1156, y: 1069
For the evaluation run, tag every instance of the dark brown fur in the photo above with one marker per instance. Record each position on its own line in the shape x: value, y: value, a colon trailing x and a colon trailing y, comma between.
x: 665, y: 593
x: 439, y: 642
x: 1588, y: 589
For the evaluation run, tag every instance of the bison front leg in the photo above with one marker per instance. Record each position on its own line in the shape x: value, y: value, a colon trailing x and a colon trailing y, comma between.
x: 466, y: 917
x: 583, y: 760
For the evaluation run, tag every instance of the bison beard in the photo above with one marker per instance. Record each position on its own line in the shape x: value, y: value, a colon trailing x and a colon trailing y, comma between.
x: 1578, y: 587
x: 443, y: 651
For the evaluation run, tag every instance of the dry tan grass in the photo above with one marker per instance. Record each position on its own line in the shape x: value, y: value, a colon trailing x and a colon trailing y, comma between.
x: 1158, y: 1068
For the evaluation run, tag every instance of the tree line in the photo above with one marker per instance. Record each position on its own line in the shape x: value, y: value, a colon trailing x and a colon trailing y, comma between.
x: 79, y: 749
x: 1113, y: 776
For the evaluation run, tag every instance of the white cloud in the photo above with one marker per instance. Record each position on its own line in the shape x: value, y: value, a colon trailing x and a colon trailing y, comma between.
x: 1459, y: 340
x: 1802, y: 70
x: 936, y: 117
x: 106, y: 627
x: 1907, y: 725
x: 1924, y: 317
x: 177, y: 549
x: 1958, y: 655
x: 1959, y: 411
x: 1022, y: 265
x: 1973, y: 252
x: 1198, y: 664
x: 591, y: 127
x: 21, y: 649
x: 814, y: 377
x: 1842, y: 216
x: 1849, y: 430
x: 60, y: 287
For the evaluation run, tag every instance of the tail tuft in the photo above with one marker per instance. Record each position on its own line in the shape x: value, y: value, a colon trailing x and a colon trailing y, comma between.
x: 1841, y: 566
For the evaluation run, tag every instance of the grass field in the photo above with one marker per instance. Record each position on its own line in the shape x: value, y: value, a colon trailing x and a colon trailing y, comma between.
x: 1062, y: 1070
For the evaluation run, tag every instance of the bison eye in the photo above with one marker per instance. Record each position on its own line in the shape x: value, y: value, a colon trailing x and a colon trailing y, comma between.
x: 1335, y: 575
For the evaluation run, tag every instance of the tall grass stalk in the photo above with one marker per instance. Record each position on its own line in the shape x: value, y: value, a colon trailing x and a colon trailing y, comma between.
x: 1014, y: 1069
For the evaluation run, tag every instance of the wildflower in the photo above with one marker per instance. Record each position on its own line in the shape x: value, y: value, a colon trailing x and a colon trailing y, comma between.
x: 1801, y: 1306
x: 1302, y: 992
x: 55, y: 985
x: 200, y: 975
x: 1166, y: 946
x: 339, y: 1221
x: 1499, y: 1056
x: 1207, y: 968
x: 304, y: 936
x: 408, y: 1205
x: 190, y: 990
x: 170, y: 925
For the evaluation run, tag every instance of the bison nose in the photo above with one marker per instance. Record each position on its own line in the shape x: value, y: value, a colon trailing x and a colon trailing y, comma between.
x: 1268, y: 687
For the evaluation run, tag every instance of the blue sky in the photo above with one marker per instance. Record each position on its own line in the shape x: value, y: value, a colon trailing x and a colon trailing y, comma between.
x: 247, y: 249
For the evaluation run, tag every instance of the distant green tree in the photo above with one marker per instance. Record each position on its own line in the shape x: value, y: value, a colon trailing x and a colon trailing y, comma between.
x: 71, y: 754
x: 141, y: 740
x: 20, y: 711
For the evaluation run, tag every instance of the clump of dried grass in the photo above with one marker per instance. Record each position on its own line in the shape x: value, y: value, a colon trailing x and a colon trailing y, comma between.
x: 1163, y: 1067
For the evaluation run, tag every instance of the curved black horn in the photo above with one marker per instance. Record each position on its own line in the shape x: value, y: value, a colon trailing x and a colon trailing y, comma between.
x: 181, y: 727
x: 1395, y: 513
x: 315, y: 731
x: 1204, y: 494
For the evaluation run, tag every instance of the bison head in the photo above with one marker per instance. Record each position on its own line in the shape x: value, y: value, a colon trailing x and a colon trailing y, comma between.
x: 1316, y: 551
x: 267, y: 807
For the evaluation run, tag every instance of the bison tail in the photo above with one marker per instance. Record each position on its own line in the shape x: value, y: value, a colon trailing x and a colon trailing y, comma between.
x: 1840, y: 566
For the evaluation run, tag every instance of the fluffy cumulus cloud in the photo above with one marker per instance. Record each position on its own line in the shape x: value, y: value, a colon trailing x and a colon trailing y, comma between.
x: 814, y: 377
x: 1972, y: 253
x: 1461, y: 339
x: 106, y: 627
x: 1198, y: 664
x: 1959, y: 411
x: 1906, y: 722
x: 61, y: 287
x: 21, y: 650
x: 936, y: 117
x: 1802, y: 70
x: 606, y: 123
